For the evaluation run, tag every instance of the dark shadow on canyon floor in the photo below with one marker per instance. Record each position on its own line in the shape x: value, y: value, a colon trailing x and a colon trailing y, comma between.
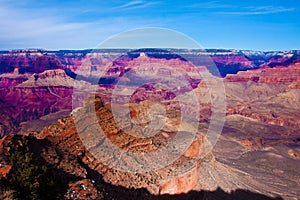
x: 109, y: 191
x: 121, y: 193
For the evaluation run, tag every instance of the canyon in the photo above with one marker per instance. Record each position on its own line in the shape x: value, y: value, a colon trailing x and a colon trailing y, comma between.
x: 25, y: 77
x: 67, y: 107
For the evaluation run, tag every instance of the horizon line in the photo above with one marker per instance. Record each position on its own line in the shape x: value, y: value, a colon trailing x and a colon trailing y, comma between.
x: 91, y: 49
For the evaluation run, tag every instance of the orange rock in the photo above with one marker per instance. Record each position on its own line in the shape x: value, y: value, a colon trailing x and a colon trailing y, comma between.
x: 246, y: 143
x: 194, y: 149
x: 293, y: 154
x: 4, y: 169
x: 134, y: 114
x: 181, y: 184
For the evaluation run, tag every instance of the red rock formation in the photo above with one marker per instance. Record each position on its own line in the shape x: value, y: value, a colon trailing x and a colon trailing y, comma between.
x: 161, y: 181
x: 269, y: 95
x: 56, y: 91
x: 63, y: 148
x: 269, y: 75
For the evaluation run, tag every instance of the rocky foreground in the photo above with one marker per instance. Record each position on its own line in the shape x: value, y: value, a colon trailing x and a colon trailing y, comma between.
x: 60, y: 146
x: 255, y: 157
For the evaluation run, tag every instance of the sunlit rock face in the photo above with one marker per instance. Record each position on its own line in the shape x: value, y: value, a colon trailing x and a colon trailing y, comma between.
x: 35, y: 83
x: 79, y: 142
x: 186, y: 173
x: 257, y: 151
x: 269, y: 95
x: 227, y: 61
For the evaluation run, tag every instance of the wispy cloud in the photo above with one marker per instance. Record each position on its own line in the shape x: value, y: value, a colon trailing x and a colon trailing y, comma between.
x: 211, y: 5
x: 23, y: 28
x: 259, y: 10
x: 136, y: 4
x: 24, y: 24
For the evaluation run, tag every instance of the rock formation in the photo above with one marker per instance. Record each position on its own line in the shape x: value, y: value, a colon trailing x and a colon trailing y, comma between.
x: 67, y: 148
x: 134, y: 134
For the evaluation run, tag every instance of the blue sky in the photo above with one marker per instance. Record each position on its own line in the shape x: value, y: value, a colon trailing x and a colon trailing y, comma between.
x: 82, y: 24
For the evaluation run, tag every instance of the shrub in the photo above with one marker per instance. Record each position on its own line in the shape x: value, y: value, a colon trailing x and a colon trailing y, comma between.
x: 7, y: 194
x: 33, y: 180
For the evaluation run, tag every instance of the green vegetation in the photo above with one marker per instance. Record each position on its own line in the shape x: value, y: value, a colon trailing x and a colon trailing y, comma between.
x: 33, y: 180
x: 6, y: 192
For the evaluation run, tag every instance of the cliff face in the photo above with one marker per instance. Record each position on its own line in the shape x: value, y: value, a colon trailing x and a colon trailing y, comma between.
x: 227, y: 62
x: 65, y: 147
x: 75, y: 146
x: 274, y: 75
x: 32, y: 103
x: 269, y: 95
x: 30, y: 97
x: 37, y: 83
x: 262, y: 119
x: 28, y: 63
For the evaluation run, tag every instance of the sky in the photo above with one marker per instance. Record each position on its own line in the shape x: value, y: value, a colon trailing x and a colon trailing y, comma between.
x: 265, y: 25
